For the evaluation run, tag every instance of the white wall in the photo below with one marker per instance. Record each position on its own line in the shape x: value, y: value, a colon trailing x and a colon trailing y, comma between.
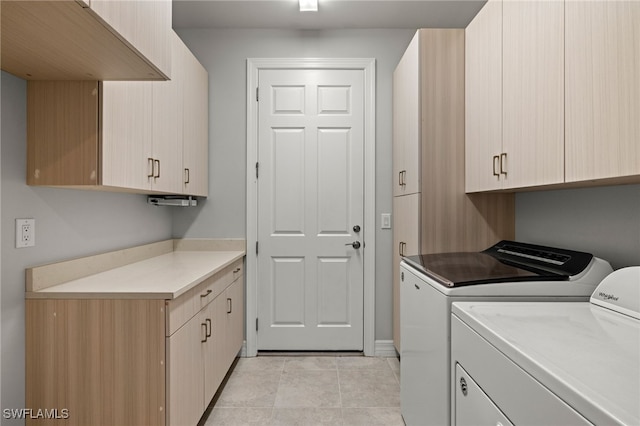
x: 224, y: 52
x: 69, y: 223
x: 604, y: 221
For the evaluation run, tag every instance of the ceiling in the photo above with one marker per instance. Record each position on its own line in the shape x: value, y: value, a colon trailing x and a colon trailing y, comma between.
x: 332, y: 14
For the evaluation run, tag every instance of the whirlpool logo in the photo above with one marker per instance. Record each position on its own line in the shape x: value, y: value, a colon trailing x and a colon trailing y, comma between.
x: 606, y: 296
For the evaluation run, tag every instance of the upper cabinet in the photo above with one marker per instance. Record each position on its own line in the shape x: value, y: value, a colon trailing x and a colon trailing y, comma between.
x: 552, y: 94
x: 483, y: 99
x: 602, y: 89
x: 87, y: 40
x: 514, y: 95
x: 122, y: 136
x: 532, y: 93
x: 195, y: 127
x: 406, y: 122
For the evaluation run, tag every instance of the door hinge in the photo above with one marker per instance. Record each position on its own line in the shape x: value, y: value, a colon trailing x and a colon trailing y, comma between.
x: 256, y: 324
x: 257, y: 168
x: 256, y: 248
x: 257, y: 94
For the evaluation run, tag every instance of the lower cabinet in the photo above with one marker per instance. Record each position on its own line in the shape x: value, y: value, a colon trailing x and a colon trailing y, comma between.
x: 200, y: 354
x: 136, y: 361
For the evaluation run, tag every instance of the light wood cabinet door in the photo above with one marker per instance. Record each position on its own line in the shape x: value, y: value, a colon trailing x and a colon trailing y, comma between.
x: 127, y: 142
x: 234, y: 299
x: 602, y: 89
x: 406, y: 121
x: 186, y: 378
x: 406, y: 241
x: 167, y: 109
x: 145, y: 25
x: 195, y: 127
x: 483, y: 99
x: 214, y: 366
x: 533, y: 92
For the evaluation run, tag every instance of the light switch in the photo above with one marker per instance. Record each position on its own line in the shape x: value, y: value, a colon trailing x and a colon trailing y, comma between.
x: 386, y: 221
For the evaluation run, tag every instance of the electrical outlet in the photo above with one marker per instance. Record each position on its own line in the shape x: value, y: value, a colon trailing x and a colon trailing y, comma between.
x: 25, y: 233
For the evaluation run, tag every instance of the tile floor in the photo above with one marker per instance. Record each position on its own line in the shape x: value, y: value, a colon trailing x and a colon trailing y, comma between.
x: 310, y: 390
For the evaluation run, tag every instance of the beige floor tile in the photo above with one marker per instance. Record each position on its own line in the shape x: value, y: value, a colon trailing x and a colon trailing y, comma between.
x: 372, y: 416
x: 369, y: 388
x: 310, y: 363
x: 239, y: 416
x: 394, y: 363
x: 362, y: 363
x: 250, y: 389
x: 308, y: 389
x: 260, y: 363
x: 306, y: 416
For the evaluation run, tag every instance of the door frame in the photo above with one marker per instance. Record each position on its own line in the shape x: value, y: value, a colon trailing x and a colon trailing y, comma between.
x: 367, y: 65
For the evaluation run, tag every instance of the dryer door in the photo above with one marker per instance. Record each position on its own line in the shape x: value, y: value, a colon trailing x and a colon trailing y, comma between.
x: 472, y: 406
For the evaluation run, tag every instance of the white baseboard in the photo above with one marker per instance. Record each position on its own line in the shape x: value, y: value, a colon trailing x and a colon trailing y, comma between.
x: 385, y: 348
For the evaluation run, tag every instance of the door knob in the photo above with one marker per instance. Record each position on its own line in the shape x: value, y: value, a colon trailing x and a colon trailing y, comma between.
x: 356, y: 244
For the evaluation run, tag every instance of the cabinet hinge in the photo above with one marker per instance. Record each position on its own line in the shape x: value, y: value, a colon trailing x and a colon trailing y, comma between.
x: 257, y: 168
x: 257, y: 94
x: 256, y: 324
x: 256, y: 248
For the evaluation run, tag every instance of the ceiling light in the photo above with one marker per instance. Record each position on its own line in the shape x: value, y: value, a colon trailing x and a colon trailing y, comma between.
x: 308, y: 5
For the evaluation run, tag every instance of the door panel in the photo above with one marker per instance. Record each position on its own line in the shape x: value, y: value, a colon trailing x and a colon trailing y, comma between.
x: 287, y: 295
x: 310, y: 196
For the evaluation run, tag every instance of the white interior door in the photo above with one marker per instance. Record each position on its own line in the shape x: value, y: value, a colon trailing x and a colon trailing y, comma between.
x: 310, y: 205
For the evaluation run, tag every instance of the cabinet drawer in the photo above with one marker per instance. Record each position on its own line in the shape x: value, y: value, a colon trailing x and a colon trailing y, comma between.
x: 180, y: 310
x: 215, y: 287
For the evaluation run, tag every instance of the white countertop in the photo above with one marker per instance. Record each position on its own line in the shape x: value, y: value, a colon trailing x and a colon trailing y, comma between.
x: 166, y: 276
x: 587, y: 355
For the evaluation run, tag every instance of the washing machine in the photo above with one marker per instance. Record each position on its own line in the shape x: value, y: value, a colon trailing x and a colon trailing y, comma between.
x: 550, y: 363
x: 508, y: 271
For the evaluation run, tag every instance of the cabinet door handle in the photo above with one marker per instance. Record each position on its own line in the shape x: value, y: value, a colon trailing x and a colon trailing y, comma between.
x: 503, y: 163
x: 206, y: 336
x: 158, y: 162
x: 186, y: 175
x: 206, y: 294
x: 401, y: 247
x: 400, y: 178
x: 153, y: 167
x: 229, y: 305
x: 496, y: 159
x: 208, y: 321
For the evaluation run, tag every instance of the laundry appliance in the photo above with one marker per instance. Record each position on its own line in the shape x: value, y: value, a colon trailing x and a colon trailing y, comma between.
x: 550, y: 363
x: 429, y: 284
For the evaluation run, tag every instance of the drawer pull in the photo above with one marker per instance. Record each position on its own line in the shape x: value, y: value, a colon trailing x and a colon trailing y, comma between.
x: 206, y: 294
x: 236, y: 270
x: 229, y: 305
